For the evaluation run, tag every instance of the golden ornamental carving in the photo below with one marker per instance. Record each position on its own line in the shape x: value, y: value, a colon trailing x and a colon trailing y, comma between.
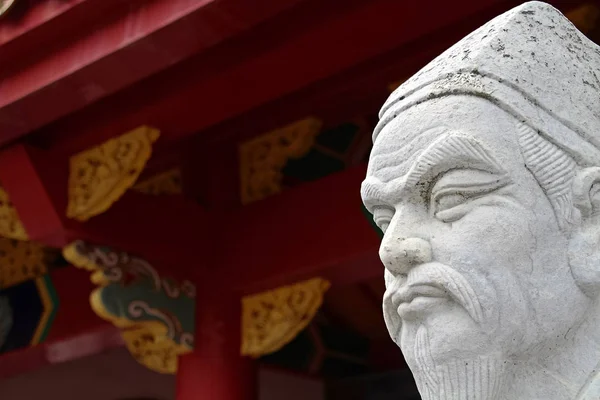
x: 20, y: 261
x: 168, y: 182
x: 262, y: 158
x: 10, y: 224
x: 101, y: 175
x: 272, y: 319
x: 147, y: 345
x: 155, y: 314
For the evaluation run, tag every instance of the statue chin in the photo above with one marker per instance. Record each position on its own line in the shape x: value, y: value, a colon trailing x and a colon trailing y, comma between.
x: 448, y: 332
x: 479, y: 377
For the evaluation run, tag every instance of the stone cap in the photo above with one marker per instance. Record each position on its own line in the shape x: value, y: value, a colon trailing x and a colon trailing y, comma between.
x: 530, y: 61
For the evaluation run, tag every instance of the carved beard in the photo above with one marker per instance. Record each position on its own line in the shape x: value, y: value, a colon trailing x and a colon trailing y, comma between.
x: 477, y: 378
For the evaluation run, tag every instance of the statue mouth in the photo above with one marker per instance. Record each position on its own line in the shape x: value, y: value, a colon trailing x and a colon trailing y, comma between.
x: 425, y: 288
x: 413, y: 300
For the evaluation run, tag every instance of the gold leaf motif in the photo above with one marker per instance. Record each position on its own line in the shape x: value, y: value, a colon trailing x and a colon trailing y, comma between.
x: 262, y: 158
x: 272, y: 319
x: 10, y: 224
x: 168, y: 182
x: 20, y: 261
x: 148, y: 345
x: 101, y: 175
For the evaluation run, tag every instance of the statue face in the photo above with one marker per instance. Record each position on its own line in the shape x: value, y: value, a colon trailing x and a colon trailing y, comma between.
x: 476, y: 263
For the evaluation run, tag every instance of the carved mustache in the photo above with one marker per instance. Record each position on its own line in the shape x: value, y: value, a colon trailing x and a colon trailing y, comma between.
x: 434, y: 280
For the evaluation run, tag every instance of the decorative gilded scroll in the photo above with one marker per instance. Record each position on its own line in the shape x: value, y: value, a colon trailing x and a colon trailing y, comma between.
x: 20, y: 261
x: 101, y: 175
x: 156, y: 315
x: 272, y: 319
x: 262, y: 159
x: 168, y: 182
x: 10, y: 224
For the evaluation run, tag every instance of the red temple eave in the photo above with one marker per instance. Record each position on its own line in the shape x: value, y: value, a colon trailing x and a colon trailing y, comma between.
x: 43, y: 18
x: 313, y: 41
x: 127, y: 44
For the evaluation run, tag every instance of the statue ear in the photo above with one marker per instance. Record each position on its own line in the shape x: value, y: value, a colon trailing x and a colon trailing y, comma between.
x: 584, y: 244
x: 586, y: 193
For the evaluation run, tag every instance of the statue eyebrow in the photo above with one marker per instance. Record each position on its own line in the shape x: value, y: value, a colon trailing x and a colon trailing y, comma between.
x: 446, y: 153
x: 450, y: 152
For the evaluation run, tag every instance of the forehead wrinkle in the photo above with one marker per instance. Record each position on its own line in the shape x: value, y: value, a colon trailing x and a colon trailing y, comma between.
x: 392, y: 165
x: 392, y: 151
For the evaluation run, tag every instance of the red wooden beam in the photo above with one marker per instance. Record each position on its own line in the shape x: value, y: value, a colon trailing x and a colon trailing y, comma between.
x: 317, y: 229
x: 34, y: 29
x: 125, y: 45
x: 36, y: 206
x: 173, y: 233
x: 29, y: 19
x: 311, y: 42
x: 215, y: 369
x: 74, y: 315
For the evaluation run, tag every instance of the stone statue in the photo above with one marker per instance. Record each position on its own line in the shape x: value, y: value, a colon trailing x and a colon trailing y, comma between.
x: 485, y: 179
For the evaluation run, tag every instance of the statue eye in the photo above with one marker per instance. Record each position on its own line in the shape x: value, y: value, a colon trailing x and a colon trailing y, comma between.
x: 452, y: 206
x: 452, y: 196
x: 450, y: 200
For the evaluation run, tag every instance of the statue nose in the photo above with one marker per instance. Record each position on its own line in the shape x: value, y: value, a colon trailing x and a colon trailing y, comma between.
x: 399, y: 255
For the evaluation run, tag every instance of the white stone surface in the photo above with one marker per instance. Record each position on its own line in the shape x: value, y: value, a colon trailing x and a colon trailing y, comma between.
x: 485, y: 178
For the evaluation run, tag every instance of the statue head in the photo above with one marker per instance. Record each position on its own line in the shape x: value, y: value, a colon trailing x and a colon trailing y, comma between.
x: 485, y: 179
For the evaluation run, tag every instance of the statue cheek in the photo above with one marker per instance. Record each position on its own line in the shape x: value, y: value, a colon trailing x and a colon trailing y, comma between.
x: 485, y: 240
x: 584, y: 260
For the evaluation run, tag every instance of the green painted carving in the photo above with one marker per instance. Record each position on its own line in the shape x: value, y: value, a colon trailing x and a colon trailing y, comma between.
x: 156, y: 314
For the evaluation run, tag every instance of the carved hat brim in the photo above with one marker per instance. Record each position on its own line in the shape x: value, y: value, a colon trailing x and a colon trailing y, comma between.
x: 533, y: 63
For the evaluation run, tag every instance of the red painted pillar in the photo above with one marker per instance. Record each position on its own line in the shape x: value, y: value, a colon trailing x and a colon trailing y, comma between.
x: 215, y: 370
